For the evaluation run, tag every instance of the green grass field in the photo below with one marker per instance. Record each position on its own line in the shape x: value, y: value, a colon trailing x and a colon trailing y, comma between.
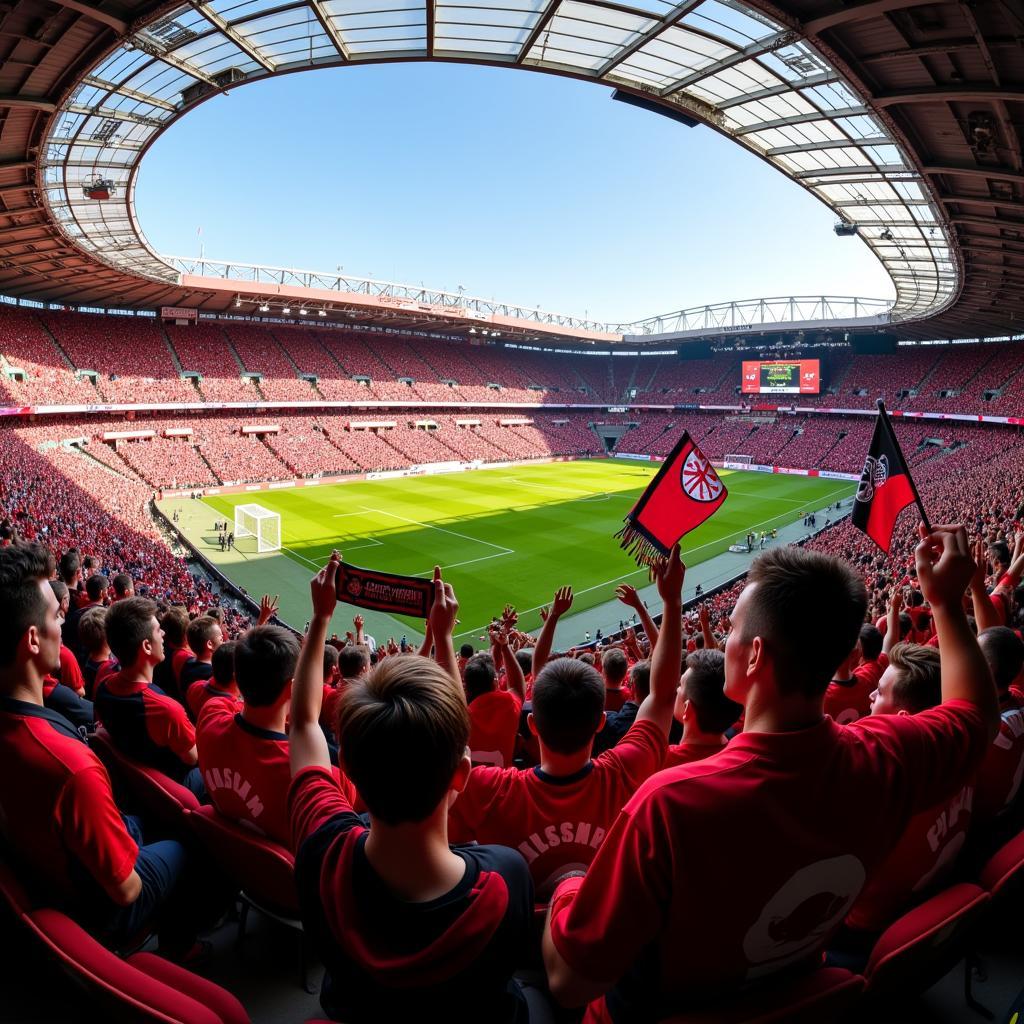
x: 504, y: 534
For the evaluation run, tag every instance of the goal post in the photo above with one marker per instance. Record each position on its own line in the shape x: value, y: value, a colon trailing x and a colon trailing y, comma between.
x: 259, y: 523
x: 742, y: 460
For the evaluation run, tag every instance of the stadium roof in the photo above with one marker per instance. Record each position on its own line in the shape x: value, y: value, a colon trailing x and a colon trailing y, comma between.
x: 901, y: 115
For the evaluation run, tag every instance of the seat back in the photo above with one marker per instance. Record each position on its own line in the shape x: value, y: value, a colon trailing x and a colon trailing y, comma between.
x: 926, y: 943
x: 159, y: 795
x: 265, y: 870
x: 1004, y: 871
x: 815, y: 997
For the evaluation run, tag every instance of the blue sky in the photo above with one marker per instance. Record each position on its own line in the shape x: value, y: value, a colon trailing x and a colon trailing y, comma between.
x: 515, y: 185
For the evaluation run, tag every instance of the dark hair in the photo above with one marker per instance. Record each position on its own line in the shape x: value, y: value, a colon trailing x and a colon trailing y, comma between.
x: 525, y: 658
x: 614, y: 665
x: 127, y: 624
x: 224, y: 663
x: 96, y: 586
x: 265, y: 660
x: 918, y: 686
x: 60, y: 590
x: 402, y: 731
x: 467, y: 651
x: 999, y: 551
x: 870, y: 641
x: 640, y: 678
x: 568, y: 702
x: 915, y: 599
x: 22, y: 604
x: 70, y: 563
x: 808, y: 608
x: 122, y: 584
x: 353, y: 660
x: 330, y: 660
x: 705, y: 690
x: 1004, y: 653
x: 90, y: 562
x: 480, y: 675
x: 174, y: 623
x: 906, y: 624
x: 200, y: 632
x: 92, y: 628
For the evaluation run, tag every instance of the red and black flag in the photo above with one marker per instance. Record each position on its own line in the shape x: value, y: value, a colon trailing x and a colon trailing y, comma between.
x: 685, y: 492
x: 886, y: 487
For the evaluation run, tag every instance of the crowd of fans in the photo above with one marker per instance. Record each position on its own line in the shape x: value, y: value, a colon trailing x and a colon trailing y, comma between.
x: 136, y: 359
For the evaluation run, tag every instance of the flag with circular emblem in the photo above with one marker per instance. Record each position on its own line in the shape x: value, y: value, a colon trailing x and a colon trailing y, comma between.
x: 685, y: 492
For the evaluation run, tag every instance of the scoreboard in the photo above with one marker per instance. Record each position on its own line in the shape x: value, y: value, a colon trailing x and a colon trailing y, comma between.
x: 781, y: 377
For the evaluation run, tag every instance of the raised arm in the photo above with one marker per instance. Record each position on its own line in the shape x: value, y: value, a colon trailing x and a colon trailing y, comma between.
x: 892, y: 621
x: 307, y: 746
x: 268, y: 609
x: 704, y: 618
x: 513, y: 670
x: 631, y: 599
x: 667, y: 659
x: 986, y: 615
x: 559, y: 606
x: 441, y: 623
x: 428, y: 642
x: 358, y: 623
x: 945, y: 568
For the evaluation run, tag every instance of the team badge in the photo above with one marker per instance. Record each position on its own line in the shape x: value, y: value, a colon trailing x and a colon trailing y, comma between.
x: 699, y: 479
x: 876, y: 472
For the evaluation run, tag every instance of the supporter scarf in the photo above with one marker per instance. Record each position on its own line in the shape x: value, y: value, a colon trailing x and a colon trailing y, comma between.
x: 685, y: 492
x: 384, y: 591
x: 886, y: 487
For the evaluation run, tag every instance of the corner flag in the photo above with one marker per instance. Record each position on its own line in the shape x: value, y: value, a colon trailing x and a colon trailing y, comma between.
x: 886, y: 487
x: 685, y: 492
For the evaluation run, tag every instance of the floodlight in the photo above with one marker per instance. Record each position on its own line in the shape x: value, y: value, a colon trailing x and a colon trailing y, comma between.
x: 286, y: 310
x: 303, y: 312
x: 323, y: 312
x: 238, y: 303
x: 264, y: 308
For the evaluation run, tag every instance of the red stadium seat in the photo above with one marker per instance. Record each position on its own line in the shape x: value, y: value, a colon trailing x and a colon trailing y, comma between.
x: 159, y: 796
x: 1004, y: 872
x: 812, y: 998
x: 925, y: 943
x: 264, y: 870
x: 144, y: 987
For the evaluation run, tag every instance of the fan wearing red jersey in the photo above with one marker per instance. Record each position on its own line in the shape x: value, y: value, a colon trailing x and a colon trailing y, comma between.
x: 1002, y: 772
x: 493, y: 712
x: 99, y: 662
x: 167, y: 675
x: 926, y: 852
x: 407, y: 926
x: 834, y: 800
x: 204, y: 637
x: 60, y: 819
x: 143, y: 722
x: 702, y: 709
x: 221, y: 684
x: 243, y: 750
x: 614, y: 666
x: 557, y: 814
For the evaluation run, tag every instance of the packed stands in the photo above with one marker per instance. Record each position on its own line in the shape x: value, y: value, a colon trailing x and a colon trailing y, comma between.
x: 204, y: 350
x: 259, y: 352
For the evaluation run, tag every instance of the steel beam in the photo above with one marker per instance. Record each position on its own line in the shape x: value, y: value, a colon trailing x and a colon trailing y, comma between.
x: 859, y: 12
x: 672, y: 18
x: 977, y: 92
x: 755, y: 49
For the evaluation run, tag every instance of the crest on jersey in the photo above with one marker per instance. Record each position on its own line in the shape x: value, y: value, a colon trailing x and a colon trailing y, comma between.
x: 875, y: 474
x: 699, y: 479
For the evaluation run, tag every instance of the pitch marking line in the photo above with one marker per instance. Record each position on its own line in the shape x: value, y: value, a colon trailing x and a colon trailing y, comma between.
x: 441, y: 529
x: 636, y: 572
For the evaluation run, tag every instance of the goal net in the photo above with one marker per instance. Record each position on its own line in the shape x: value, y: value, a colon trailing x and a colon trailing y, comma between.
x: 739, y: 460
x: 260, y: 524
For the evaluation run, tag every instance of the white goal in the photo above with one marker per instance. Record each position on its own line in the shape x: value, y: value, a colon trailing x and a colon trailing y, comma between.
x: 741, y: 460
x: 259, y: 523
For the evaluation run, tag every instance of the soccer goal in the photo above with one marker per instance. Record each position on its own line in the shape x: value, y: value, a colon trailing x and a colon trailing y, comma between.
x: 740, y: 460
x: 259, y: 523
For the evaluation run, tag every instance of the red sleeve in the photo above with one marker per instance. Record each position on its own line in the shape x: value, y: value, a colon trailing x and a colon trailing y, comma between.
x: 92, y: 828
x: 313, y: 798
x: 194, y: 698
x: 620, y: 907
x: 168, y: 725
x: 935, y: 750
x: 638, y: 755
x: 70, y: 673
x: 473, y: 803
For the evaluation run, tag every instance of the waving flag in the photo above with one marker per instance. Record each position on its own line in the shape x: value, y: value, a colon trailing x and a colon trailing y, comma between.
x: 886, y: 487
x: 685, y: 492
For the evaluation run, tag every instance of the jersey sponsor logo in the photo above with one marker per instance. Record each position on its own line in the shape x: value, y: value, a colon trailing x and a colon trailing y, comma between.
x: 227, y: 778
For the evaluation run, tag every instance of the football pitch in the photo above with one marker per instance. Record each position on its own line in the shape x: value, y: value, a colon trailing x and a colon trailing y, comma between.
x: 505, y: 534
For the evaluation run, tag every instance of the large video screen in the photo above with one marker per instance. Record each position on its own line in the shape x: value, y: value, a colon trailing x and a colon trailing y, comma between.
x: 781, y: 377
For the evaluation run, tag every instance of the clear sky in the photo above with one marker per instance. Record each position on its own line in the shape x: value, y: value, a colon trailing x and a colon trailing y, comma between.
x: 519, y: 186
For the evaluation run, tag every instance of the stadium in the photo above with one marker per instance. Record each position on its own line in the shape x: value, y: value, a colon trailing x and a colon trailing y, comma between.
x: 186, y: 441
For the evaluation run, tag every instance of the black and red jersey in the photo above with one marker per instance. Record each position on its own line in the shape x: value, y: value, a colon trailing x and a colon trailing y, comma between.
x: 389, y: 959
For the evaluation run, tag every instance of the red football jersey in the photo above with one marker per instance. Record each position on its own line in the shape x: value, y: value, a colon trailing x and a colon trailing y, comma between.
x: 557, y: 824
x: 924, y: 855
x: 999, y: 778
x: 846, y: 703
x: 246, y: 770
x: 68, y: 813
x: 204, y: 690
x: 684, y: 753
x: 614, y: 699
x: 772, y: 839
x: 493, y: 724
